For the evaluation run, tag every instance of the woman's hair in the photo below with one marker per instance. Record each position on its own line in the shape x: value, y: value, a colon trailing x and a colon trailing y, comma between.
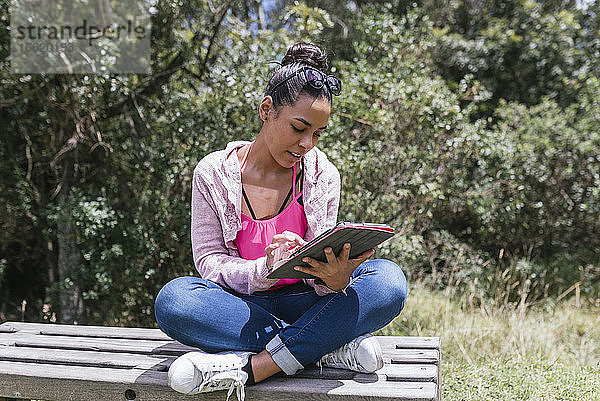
x: 296, y: 57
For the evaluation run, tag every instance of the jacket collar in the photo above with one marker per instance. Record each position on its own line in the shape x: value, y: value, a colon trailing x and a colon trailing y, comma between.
x: 311, y: 166
x: 229, y: 173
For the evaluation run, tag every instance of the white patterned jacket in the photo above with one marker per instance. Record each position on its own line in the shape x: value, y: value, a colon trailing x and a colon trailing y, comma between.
x: 216, y: 217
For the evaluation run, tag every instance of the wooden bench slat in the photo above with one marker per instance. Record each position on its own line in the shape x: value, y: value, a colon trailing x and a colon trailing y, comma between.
x: 397, y: 342
x: 86, y: 331
x: 118, y: 360
x: 65, y: 371
x: 412, y: 356
x: 409, y: 372
x: 80, y: 380
x: 20, y: 339
x: 390, y: 372
x: 307, y: 389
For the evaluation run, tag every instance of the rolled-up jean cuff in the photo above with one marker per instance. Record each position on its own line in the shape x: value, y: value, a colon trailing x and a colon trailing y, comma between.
x: 283, y: 357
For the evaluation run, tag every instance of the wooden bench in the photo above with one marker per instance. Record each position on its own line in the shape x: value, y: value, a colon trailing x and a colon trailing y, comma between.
x: 64, y: 362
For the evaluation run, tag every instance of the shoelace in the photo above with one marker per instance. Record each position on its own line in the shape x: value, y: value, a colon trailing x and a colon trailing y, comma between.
x: 229, y: 384
x: 240, y: 393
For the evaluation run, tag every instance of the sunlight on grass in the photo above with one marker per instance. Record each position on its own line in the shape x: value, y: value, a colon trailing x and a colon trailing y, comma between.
x: 503, y: 352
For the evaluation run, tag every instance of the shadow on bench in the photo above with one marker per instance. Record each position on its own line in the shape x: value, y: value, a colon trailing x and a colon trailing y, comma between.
x: 65, y: 362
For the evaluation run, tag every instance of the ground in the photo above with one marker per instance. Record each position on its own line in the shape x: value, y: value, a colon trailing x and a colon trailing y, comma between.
x: 549, y: 351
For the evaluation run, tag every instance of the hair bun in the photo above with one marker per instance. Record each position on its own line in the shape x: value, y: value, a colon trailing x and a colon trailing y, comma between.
x: 307, y: 54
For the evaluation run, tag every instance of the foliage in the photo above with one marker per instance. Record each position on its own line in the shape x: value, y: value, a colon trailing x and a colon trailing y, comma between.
x: 527, y: 188
x: 521, y: 50
x: 472, y: 131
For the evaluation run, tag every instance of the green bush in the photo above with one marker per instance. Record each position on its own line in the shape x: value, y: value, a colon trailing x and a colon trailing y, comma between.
x: 492, y: 183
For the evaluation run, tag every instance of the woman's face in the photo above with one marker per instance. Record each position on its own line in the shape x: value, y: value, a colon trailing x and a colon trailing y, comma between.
x: 296, y: 129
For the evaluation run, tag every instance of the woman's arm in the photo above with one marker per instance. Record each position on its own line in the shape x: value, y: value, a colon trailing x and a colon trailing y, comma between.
x: 211, y: 255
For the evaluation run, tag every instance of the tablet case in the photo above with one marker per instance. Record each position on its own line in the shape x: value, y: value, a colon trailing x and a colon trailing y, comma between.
x: 361, y: 236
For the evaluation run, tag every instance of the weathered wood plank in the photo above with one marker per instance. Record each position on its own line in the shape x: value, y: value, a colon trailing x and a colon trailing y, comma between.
x: 42, y: 381
x: 397, y: 342
x: 28, y: 387
x: 390, y: 372
x: 439, y: 376
x: 65, y: 371
x: 307, y: 388
x: 412, y: 356
x: 63, y: 390
x: 118, y: 360
x: 409, y: 372
x: 25, y: 339
x: 86, y: 331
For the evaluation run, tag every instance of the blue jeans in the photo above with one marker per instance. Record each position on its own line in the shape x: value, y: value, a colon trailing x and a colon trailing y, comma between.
x: 293, y: 323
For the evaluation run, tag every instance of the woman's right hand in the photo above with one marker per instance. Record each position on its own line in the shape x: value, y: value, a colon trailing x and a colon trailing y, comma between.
x: 287, y: 241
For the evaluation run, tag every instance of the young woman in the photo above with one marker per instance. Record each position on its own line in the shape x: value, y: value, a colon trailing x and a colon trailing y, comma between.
x: 250, y: 203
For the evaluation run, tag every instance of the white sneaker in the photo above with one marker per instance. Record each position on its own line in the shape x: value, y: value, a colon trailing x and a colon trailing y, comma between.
x: 363, y: 354
x: 201, y: 372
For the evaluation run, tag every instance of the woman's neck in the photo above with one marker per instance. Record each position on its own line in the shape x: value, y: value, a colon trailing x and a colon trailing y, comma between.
x: 260, y: 161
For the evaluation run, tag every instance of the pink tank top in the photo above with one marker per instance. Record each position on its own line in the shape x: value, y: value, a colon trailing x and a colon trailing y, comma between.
x: 256, y: 235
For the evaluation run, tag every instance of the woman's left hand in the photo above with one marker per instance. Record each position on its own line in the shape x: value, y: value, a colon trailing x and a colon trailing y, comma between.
x: 336, y: 272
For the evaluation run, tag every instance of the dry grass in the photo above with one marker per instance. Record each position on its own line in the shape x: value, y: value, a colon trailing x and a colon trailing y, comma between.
x: 507, y: 352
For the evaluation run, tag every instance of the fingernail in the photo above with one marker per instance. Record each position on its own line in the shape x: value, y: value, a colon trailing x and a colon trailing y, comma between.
x: 305, y: 259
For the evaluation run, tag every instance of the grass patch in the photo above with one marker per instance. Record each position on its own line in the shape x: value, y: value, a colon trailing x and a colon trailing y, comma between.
x: 506, y: 352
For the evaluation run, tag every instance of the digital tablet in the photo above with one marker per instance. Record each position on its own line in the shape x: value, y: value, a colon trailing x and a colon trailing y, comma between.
x: 361, y: 236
